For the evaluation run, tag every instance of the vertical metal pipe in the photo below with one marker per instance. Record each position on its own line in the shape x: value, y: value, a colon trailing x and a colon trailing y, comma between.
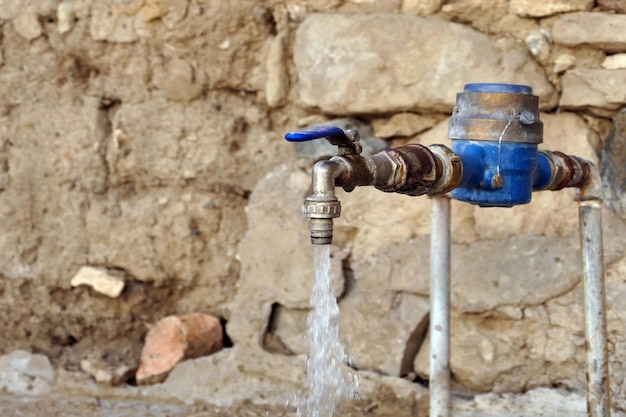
x: 440, y: 308
x: 598, y: 390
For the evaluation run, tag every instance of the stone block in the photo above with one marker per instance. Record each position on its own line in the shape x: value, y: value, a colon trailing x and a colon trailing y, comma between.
x: 277, y: 83
x: 113, y: 22
x: 10, y: 9
x: 65, y: 16
x: 601, y: 90
x: 242, y: 373
x: 383, y: 338
x: 25, y: 373
x: 402, y: 125
x: 113, y: 362
x: 564, y: 62
x: 617, y: 6
x: 176, y: 10
x: 614, y: 166
x: 401, y: 63
x: 101, y: 280
x: 530, y: 8
x: 231, y: 376
x: 538, y: 43
x: 421, y: 7
x: 179, y: 83
x: 107, y: 375
x: 27, y: 25
x: 534, y: 402
x: 612, y: 62
x: 595, y: 29
x: 489, y: 354
x: 290, y: 327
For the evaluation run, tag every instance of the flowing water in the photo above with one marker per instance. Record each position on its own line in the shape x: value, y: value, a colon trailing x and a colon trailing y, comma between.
x: 327, y: 380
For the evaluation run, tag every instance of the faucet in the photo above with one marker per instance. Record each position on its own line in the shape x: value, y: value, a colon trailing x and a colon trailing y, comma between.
x: 412, y: 169
x: 494, y: 161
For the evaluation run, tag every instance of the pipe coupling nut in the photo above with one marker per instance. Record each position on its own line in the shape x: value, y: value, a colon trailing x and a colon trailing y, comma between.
x: 328, y: 209
x: 567, y: 170
x: 450, y: 173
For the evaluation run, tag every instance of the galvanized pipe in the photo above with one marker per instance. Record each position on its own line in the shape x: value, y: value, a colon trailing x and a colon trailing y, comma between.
x: 598, y: 394
x: 590, y: 212
x: 439, y: 375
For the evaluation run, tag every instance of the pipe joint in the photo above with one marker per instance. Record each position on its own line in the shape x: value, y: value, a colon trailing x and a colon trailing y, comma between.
x: 451, y: 173
x: 415, y: 170
x: 566, y: 170
x: 356, y: 171
x: 591, y: 187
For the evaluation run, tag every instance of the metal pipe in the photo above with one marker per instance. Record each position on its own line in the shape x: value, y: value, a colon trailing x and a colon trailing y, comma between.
x: 439, y: 375
x: 555, y: 171
x: 590, y: 212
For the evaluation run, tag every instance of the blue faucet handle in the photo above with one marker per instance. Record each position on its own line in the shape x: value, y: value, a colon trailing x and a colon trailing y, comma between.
x: 346, y: 140
x: 332, y: 133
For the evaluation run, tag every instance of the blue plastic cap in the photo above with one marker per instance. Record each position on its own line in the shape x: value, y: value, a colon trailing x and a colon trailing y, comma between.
x: 498, y: 88
x: 317, y: 132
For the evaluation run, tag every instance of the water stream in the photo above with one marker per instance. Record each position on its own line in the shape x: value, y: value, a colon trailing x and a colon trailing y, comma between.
x: 327, y: 380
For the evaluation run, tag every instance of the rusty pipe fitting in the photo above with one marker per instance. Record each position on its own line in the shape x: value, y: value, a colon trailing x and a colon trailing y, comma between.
x: 451, y: 173
x: 415, y: 170
x: 419, y: 170
x: 566, y: 170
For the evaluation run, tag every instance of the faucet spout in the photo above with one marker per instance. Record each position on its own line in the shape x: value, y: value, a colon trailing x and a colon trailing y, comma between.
x: 322, y: 206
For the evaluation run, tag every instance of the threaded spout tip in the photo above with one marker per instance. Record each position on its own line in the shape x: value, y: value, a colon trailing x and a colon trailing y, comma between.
x: 321, y: 231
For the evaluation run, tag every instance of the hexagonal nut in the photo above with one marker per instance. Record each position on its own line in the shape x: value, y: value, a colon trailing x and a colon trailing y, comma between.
x: 452, y: 170
x: 321, y: 209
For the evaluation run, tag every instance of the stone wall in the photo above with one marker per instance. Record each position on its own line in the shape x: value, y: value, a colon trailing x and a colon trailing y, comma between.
x: 145, y: 137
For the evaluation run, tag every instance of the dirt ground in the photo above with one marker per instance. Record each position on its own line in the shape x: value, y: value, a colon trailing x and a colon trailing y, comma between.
x: 106, y: 407
x: 69, y: 404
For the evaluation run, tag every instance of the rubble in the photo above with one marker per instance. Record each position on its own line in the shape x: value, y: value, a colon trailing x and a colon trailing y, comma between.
x: 174, y: 339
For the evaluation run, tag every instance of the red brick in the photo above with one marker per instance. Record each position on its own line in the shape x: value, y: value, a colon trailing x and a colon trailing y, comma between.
x: 174, y: 339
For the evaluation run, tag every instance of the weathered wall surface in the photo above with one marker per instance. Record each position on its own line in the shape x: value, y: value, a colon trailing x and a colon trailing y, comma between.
x: 145, y: 136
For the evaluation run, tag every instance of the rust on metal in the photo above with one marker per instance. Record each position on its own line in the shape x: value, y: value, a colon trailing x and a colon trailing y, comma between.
x: 449, y: 170
x: 567, y: 170
x: 417, y: 170
x: 486, y: 115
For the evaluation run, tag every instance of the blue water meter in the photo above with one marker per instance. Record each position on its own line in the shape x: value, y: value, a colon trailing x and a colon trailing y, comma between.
x: 495, y: 129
